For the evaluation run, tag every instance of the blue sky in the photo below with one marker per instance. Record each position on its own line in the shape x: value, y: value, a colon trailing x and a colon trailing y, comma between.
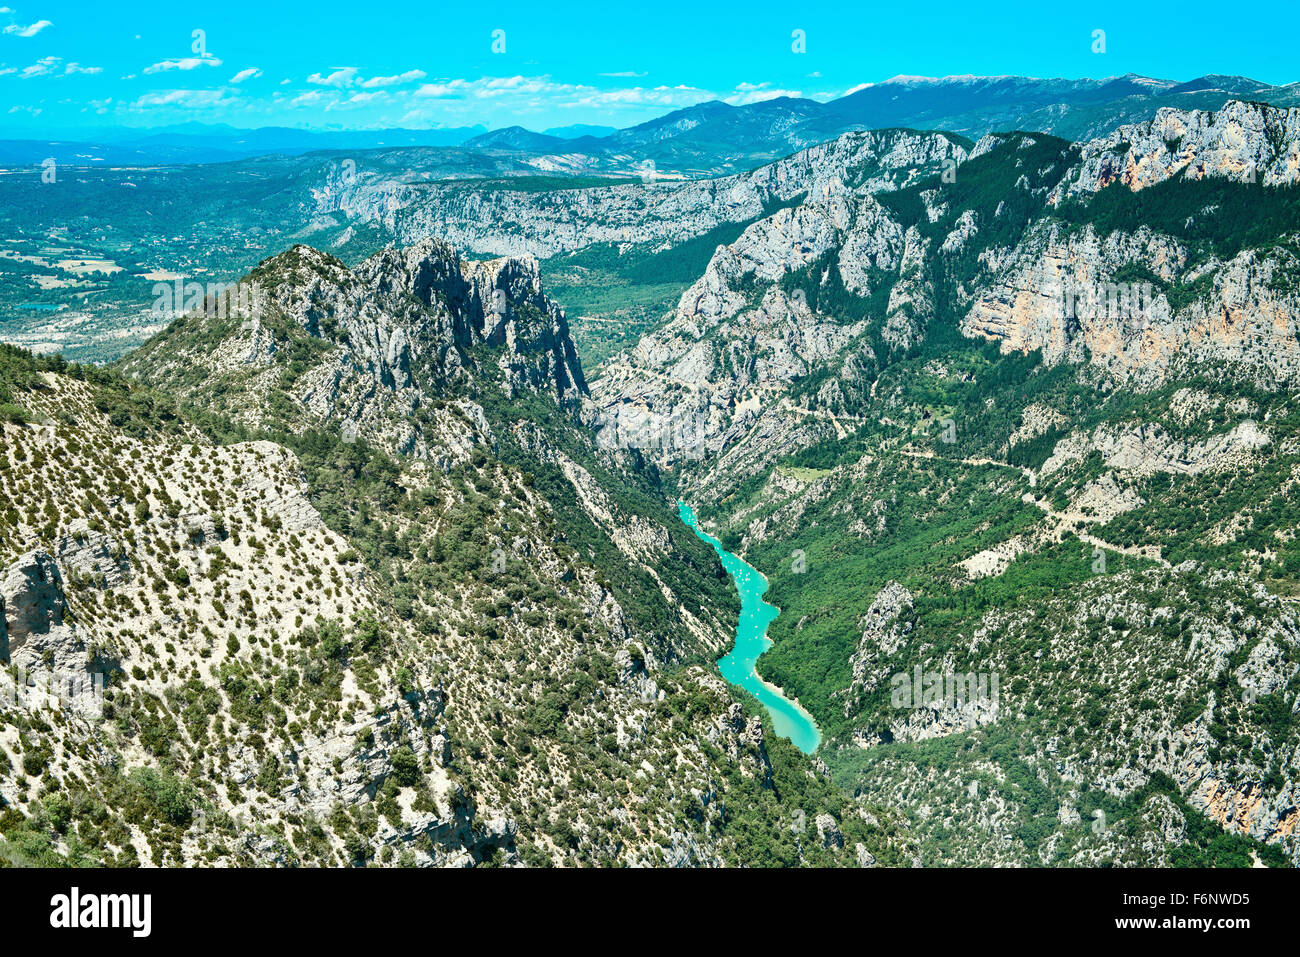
x: 357, y: 65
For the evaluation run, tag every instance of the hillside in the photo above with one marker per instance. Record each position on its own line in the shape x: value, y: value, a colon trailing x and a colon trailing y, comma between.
x: 1035, y: 421
x: 465, y: 644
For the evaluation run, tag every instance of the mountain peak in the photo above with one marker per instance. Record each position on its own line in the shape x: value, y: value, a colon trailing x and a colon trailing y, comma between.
x: 372, y: 345
x: 516, y: 138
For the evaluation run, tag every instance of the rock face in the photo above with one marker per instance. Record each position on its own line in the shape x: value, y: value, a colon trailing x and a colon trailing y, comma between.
x: 31, y: 596
x: 828, y: 831
x: 376, y: 352
x: 1052, y: 293
x: 1060, y: 289
x: 498, y: 303
x: 35, y: 638
x: 696, y: 385
x: 1246, y: 142
x: 1147, y: 450
x: 93, y: 554
x: 829, y: 289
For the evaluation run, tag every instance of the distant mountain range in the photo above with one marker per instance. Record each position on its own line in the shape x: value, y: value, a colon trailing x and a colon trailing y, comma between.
x: 710, y: 138
x: 575, y: 130
x: 205, y: 143
x: 517, y: 139
x: 713, y: 138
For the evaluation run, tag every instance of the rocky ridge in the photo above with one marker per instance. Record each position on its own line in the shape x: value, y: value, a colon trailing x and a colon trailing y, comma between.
x: 514, y: 223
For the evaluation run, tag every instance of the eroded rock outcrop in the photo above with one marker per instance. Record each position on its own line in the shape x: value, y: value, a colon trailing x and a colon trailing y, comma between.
x: 885, y: 628
x: 1245, y: 142
x: 31, y: 594
x: 507, y: 222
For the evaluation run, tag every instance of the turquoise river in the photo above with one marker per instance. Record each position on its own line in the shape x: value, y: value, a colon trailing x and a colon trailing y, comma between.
x: 737, y: 666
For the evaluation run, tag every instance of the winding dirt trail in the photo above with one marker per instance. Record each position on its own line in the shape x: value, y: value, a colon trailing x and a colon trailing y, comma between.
x: 1061, y: 521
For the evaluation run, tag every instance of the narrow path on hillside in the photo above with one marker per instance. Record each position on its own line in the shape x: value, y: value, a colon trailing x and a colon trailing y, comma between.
x: 1062, y: 521
x: 1030, y: 475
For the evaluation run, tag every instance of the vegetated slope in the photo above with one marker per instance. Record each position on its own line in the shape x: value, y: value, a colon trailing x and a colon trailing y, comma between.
x: 419, y: 623
x: 938, y: 464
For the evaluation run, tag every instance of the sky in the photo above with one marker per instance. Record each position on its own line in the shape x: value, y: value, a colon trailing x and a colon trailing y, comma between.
x: 333, y: 65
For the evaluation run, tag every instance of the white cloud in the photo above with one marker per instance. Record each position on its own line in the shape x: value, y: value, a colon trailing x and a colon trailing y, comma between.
x: 538, y: 92
x: 409, y: 76
x: 187, y: 99
x: 341, y: 77
x: 42, y: 67
x: 659, y: 96
x: 441, y: 91
x: 626, y: 74
x: 184, y: 63
x: 50, y: 66
x: 419, y: 100
x: 28, y: 31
